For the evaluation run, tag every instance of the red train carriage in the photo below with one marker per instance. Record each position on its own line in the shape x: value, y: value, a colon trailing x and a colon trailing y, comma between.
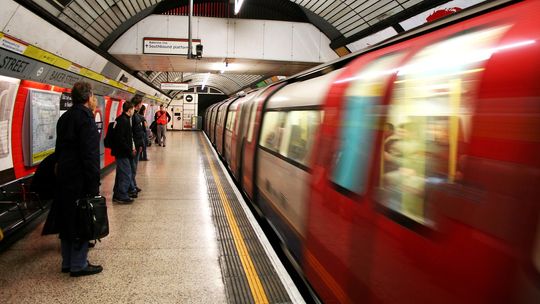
x: 444, y: 208
x: 420, y: 181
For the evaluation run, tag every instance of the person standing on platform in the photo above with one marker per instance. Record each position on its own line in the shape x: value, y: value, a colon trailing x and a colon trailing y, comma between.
x: 143, y: 156
x: 137, y: 127
x: 78, y: 176
x: 123, y: 150
x: 162, y: 118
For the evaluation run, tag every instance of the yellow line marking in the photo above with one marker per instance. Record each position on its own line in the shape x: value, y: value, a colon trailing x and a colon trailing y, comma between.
x: 257, y: 290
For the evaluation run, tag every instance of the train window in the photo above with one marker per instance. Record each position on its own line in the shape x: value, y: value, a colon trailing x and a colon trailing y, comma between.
x: 273, y: 129
x: 359, y: 123
x: 428, y: 121
x: 299, y: 135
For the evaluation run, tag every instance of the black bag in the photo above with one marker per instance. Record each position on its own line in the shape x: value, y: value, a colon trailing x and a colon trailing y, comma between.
x: 108, y: 141
x: 153, y: 127
x: 92, y: 219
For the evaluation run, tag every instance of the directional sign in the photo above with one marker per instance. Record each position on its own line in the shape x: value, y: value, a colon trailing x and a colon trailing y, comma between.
x: 177, y: 86
x: 168, y: 46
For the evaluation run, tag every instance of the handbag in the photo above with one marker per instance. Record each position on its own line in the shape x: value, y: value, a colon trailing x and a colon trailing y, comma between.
x: 92, y: 219
x: 153, y: 127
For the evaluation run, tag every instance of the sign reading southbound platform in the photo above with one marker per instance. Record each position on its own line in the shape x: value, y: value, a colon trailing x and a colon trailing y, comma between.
x: 178, y: 86
x: 168, y: 46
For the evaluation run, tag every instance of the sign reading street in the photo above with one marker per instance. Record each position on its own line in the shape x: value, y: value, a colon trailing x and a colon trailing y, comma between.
x: 168, y: 46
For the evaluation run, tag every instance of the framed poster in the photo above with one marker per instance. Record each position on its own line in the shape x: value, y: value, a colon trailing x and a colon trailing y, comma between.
x: 114, y: 109
x: 8, y: 92
x: 43, y: 109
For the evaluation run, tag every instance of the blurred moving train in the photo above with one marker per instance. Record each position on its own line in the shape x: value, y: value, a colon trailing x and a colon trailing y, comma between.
x: 409, y: 173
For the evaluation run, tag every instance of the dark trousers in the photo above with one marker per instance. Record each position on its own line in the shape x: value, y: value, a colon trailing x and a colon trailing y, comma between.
x: 74, y: 255
x: 143, y: 155
x: 134, y: 163
x: 123, y: 179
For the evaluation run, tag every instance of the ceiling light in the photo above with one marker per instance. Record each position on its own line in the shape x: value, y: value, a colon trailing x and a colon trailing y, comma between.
x: 237, y: 6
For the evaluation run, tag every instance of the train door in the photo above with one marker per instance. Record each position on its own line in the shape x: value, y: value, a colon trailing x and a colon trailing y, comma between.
x: 223, y: 113
x: 341, y: 172
x: 238, y: 135
x: 252, y: 138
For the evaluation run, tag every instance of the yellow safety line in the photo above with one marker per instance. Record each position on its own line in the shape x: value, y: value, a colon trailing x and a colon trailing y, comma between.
x: 257, y: 290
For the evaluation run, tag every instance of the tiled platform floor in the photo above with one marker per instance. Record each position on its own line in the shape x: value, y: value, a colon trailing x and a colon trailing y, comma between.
x: 161, y: 249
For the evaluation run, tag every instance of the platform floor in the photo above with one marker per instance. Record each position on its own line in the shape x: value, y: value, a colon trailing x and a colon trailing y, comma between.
x: 166, y: 247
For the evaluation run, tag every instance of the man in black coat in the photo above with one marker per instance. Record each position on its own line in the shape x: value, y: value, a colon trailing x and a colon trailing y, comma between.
x: 123, y: 150
x: 78, y: 176
x: 138, y: 129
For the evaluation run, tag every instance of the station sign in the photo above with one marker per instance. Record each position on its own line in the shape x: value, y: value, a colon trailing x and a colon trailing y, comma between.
x: 168, y: 46
x: 14, y: 65
x: 177, y: 86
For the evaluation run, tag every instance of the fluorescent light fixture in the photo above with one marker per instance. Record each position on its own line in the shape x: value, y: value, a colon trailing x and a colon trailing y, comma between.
x: 205, y: 80
x: 237, y: 6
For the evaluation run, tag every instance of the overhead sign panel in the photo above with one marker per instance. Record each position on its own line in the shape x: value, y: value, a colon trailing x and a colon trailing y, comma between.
x: 168, y: 46
x: 177, y: 86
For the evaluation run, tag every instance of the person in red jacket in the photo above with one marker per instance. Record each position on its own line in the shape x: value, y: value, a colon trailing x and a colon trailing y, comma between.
x: 162, y: 118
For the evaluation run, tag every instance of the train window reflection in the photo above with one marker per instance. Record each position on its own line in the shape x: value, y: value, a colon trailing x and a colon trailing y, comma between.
x: 272, y: 130
x: 359, y: 123
x: 299, y: 135
x: 291, y: 134
x: 428, y: 121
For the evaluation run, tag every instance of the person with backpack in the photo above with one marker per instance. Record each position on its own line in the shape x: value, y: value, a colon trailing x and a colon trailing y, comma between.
x: 162, y: 118
x: 123, y: 149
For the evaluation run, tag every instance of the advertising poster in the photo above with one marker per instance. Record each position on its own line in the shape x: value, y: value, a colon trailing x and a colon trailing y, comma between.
x: 114, y: 109
x: 44, y: 113
x: 65, y: 102
x: 8, y: 92
x: 99, y: 116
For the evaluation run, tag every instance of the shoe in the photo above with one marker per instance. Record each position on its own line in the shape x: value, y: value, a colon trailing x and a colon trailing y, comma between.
x: 159, y: 145
x: 138, y: 189
x: 91, y: 245
x: 133, y: 194
x: 163, y: 145
x: 89, y: 270
x: 65, y: 270
x: 146, y: 159
x: 128, y: 200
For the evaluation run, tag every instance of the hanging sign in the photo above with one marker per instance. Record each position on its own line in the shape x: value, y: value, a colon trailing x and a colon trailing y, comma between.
x: 168, y: 46
x: 177, y: 86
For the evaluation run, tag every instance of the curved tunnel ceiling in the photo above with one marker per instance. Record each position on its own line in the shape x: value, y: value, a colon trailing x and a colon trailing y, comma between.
x: 101, y: 22
x: 225, y: 83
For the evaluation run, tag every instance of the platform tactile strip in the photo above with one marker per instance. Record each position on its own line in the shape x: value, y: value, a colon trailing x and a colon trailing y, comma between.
x: 236, y: 283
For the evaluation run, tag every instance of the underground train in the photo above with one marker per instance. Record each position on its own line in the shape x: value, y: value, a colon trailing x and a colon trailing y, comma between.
x: 407, y: 173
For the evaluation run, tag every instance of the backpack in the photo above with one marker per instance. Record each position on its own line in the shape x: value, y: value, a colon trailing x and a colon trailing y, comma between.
x: 108, y: 141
